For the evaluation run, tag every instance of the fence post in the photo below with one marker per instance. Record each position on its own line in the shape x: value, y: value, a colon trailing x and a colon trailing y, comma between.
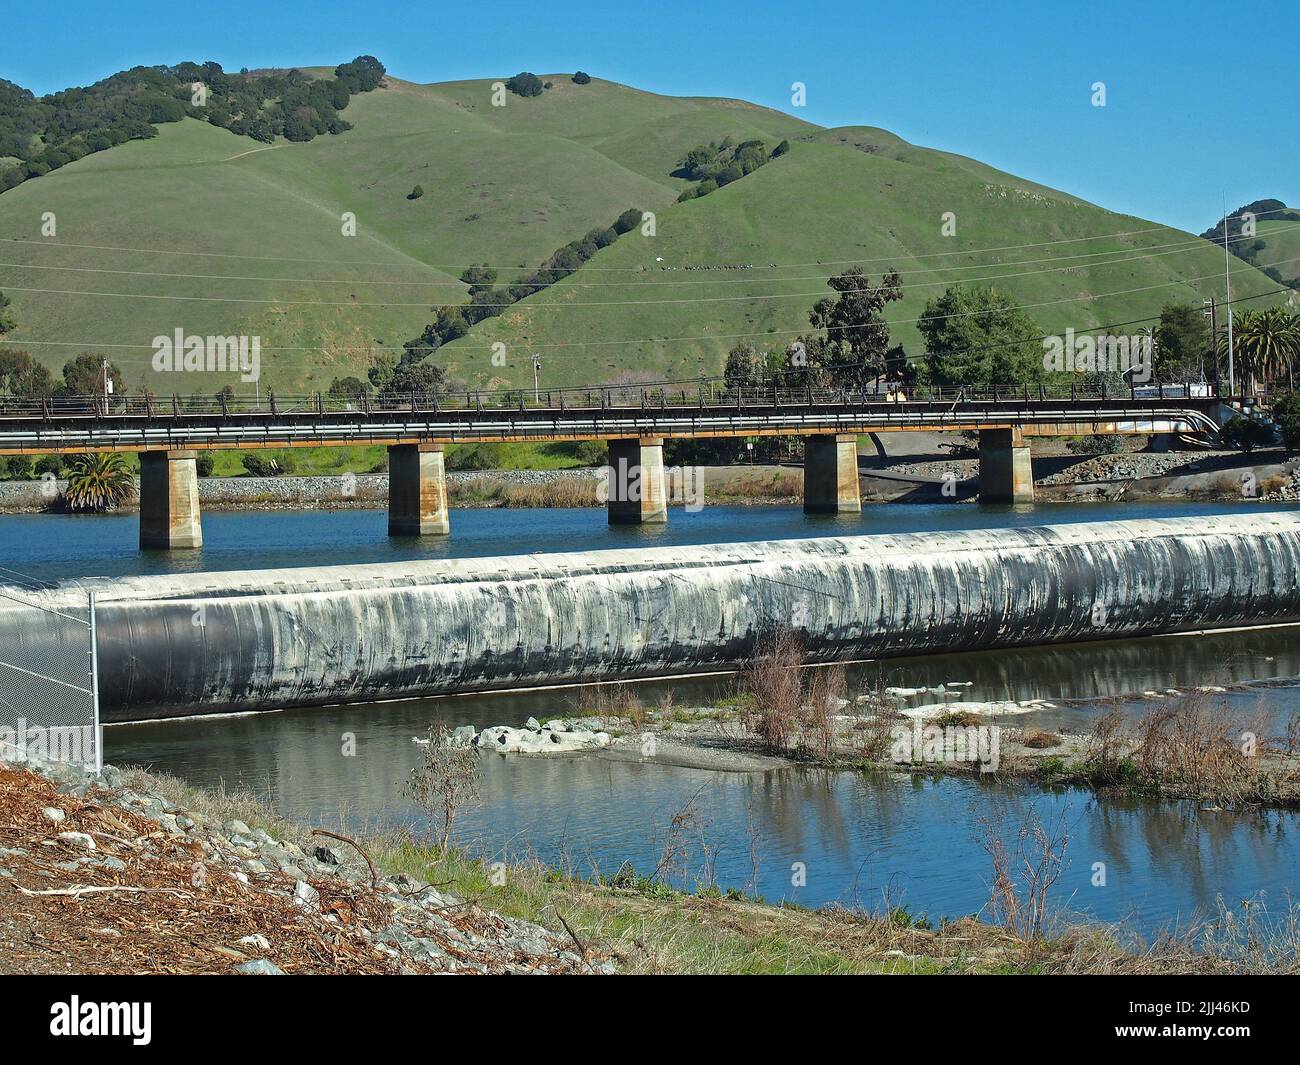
x: 94, y: 686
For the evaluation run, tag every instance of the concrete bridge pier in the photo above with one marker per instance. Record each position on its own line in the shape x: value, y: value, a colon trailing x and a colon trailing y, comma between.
x: 1006, y: 472
x: 637, y: 493
x: 169, y: 500
x: 830, y: 474
x: 417, y: 491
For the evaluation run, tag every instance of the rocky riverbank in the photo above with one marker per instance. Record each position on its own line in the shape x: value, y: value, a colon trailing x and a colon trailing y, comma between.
x: 106, y: 874
x: 125, y: 872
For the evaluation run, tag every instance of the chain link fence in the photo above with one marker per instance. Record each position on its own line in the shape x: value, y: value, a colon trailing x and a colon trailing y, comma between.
x: 49, y: 689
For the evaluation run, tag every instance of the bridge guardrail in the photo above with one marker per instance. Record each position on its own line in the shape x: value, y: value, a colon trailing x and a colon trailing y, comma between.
x: 709, y: 394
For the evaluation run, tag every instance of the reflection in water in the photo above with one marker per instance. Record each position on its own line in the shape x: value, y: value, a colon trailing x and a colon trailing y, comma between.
x: 863, y: 839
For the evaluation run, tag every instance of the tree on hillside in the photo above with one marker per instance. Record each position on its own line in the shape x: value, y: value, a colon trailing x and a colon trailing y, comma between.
x: 84, y: 376
x: 581, y: 77
x: 479, y: 276
x: 23, y: 377
x: 747, y: 367
x: 978, y: 336
x: 47, y: 133
x: 420, y: 378
x: 361, y: 75
x: 627, y: 221
x: 7, y: 321
x: 525, y: 84
x: 1182, y: 340
x: 350, y: 388
x: 855, y: 349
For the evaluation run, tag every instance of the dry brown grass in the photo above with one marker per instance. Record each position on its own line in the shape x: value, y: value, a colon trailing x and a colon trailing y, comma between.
x: 772, y: 678
x: 1039, y: 739
x: 779, y: 486
x: 1023, y: 874
x: 1194, y: 746
x: 614, y: 704
x: 827, y: 692
x: 958, y: 719
x: 495, y: 491
x: 790, y: 709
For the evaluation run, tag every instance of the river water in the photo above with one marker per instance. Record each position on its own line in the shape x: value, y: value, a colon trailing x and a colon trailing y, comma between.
x: 860, y: 840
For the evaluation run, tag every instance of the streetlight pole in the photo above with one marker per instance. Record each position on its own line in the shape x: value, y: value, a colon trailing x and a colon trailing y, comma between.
x: 537, y: 365
x: 1227, y: 302
x: 1213, y: 315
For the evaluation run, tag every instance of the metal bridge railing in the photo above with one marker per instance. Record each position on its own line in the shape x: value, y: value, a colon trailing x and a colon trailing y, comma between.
x: 705, y: 393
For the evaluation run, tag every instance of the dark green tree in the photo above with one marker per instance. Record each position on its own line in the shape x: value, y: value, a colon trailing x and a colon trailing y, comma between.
x: 22, y: 377
x: 349, y: 388
x: 478, y: 276
x: 421, y: 378
x: 746, y: 367
x: 979, y: 336
x: 525, y: 84
x: 627, y: 221
x: 1182, y: 342
x: 84, y: 376
x: 1286, y: 412
x: 855, y: 349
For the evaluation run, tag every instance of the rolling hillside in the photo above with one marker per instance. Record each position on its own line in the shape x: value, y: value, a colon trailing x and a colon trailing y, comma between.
x: 229, y: 236
x: 1281, y: 248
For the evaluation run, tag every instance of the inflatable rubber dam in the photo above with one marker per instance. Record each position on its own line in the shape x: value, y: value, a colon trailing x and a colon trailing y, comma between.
x: 209, y: 643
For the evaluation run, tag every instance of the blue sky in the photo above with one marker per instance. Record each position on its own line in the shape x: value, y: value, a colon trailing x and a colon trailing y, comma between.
x: 1007, y: 83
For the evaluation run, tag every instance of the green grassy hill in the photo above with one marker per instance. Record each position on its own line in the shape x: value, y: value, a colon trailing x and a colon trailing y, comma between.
x: 1281, y: 247
x: 251, y: 236
x: 825, y: 203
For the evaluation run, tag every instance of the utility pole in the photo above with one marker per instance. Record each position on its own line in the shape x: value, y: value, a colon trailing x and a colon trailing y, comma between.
x: 94, y: 684
x: 1227, y: 302
x: 537, y: 365
x: 106, y: 385
x: 1214, y: 337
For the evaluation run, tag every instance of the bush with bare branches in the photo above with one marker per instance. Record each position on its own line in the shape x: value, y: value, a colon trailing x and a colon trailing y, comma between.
x: 446, y: 778
x: 772, y: 678
x: 1024, y: 873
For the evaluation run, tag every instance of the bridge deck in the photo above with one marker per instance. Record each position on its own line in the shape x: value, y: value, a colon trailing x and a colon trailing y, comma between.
x: 143, y: 423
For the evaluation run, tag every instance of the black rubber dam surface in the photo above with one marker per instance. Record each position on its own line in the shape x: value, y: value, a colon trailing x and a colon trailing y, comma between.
x: 231, y: 641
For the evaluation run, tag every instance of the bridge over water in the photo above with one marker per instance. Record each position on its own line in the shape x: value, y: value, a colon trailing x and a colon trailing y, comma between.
x: 634, y: 420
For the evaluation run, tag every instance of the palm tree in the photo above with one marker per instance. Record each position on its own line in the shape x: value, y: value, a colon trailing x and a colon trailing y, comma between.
x: 98, y: 482
x: 1266, y: 344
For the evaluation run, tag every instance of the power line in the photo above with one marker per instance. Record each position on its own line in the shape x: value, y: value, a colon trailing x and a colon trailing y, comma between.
x: 1195, y: 244
x: 560, y: 306
x: 639, y: 269
x: 711, y: 336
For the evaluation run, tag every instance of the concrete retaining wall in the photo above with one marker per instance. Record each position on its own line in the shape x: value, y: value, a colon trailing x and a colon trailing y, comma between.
x: 214, y: 642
